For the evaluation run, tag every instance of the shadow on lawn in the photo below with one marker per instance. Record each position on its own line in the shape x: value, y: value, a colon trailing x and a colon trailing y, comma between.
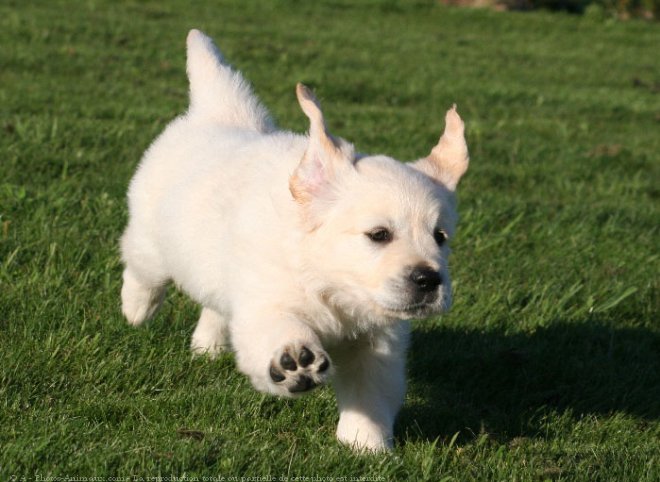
x: 505, y: 384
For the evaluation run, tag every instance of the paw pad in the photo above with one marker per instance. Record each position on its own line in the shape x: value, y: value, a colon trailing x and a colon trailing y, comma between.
x: 299, y: 370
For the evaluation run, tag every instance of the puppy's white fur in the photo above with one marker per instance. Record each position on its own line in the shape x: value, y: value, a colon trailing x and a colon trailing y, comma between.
x: 270, y: 232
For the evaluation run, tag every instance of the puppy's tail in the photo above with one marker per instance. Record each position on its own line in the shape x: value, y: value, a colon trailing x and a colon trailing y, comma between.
x: 219, y: 93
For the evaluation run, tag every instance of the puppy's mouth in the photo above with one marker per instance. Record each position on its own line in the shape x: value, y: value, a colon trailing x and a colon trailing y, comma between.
x: 414, y: 304
x: 412, y: 310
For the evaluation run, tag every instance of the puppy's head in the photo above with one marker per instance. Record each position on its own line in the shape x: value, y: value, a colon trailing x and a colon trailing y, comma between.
x: 377, y: 231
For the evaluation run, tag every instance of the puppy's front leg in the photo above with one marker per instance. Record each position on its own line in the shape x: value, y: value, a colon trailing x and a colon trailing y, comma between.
x: 280, y: 353
x: 370, y: 385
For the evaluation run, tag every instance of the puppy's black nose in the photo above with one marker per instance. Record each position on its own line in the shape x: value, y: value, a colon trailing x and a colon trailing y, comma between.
x: 425, y: 278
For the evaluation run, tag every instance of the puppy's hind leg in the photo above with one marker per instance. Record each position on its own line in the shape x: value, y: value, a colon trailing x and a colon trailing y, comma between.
x: 145, y: 283
x: 140, y: 300
x: 211, y: 336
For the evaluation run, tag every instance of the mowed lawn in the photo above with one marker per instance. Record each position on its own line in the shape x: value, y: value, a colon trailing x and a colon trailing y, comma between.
x: 548, y: 366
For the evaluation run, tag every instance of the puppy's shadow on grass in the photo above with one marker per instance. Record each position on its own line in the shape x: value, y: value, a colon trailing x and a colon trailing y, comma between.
x: 471, y: 382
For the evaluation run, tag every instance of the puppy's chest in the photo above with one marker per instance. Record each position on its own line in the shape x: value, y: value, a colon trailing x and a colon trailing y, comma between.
x: 334, y: 327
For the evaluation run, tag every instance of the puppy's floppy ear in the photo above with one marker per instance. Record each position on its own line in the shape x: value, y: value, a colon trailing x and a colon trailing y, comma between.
x: 449, y: 159
x: 325, y: 156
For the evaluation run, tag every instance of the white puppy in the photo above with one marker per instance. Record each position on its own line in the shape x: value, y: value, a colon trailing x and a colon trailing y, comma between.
x: 305, y: 256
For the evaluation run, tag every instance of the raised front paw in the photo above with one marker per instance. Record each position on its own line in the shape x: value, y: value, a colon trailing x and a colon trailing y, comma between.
x: 298, y: 368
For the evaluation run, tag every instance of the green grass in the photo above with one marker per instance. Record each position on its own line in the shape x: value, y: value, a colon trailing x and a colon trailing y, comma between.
x: 548, y: 367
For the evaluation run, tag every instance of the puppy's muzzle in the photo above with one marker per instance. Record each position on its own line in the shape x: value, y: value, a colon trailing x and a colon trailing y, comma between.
x: 425, y: 280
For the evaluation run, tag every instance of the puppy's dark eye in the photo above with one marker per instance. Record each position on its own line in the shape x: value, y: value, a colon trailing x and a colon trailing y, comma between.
x: 380, y: 235
x: 440, y: 236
